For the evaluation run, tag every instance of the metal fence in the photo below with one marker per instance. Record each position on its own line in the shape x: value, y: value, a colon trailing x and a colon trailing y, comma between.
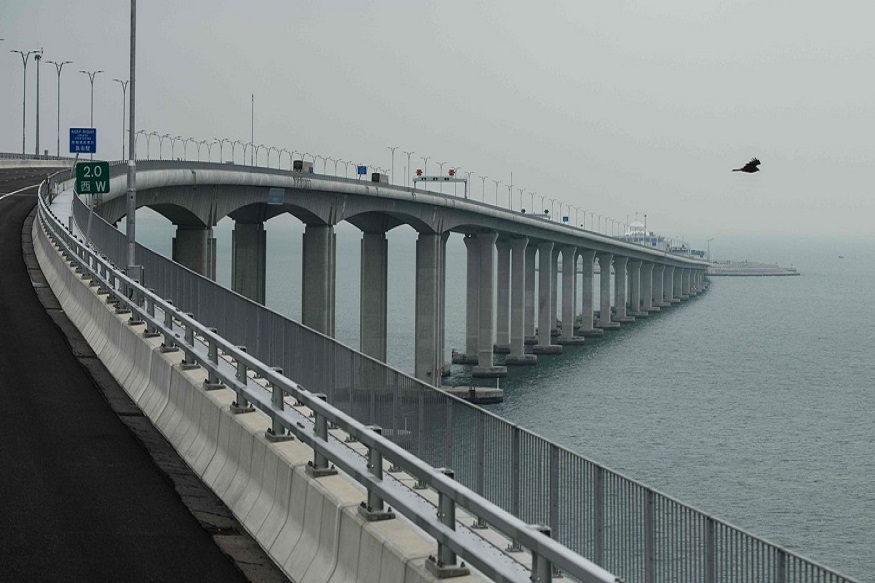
x: 626, y: 527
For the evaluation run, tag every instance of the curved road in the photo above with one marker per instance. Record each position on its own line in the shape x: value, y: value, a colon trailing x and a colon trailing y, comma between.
x: 82, y: 498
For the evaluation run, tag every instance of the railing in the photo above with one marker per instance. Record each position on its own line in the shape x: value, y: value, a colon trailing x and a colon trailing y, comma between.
x: 626, y: 527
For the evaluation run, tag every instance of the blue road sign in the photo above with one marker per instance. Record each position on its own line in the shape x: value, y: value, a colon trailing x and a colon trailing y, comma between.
x: 83, y: 140
x: 361, y: 170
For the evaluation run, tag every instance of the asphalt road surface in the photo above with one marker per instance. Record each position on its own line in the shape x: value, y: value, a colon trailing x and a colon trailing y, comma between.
x: 81, y: 495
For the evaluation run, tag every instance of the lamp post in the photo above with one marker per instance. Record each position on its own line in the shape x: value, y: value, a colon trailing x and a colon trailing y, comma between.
x: 161, y: 146
x: 58, y: 67
x: 393, y: 148
x: 91, y: 76
x: 38, y: 57
x: 25, y: 55
x: 532, y: 196
x: 185, y: 146
x: 336, y: 162
x: 407, y: 178
x: 552, y: 201
x: 148, y: 142
x: 425, y: 167
x: 441, y: 184
x: 137, y: 137
x: 483, y: 191
x: 497, y: 182
x: 468, y: 181
x: 521, y: 197
x: 173, y: 140
x: 124, y: 85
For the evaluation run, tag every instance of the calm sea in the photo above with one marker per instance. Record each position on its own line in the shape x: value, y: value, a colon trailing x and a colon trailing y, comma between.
x: 754, y: 402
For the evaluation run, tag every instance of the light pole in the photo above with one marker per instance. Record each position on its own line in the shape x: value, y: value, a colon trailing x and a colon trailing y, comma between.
x: 441, y: 164
x: 173, y: 140
x: 468, y: 175
x: 497, y: 182
x: 709, y: 249
x: 38, y: 56
x: 91, y: 76
x: 137, y: 137
x: 393, y: 148
x: 552, y: 201
x: 521, y: 197
x: 336, y: 162
x: 58, y: 67
x: 425, y: 167
x: 148, y: 141
x: 234, y: 148
x: 25, y: 55
x: 483, y: 191
x: 532, y: 196
x: 407, y: 178
x: 124, y: 85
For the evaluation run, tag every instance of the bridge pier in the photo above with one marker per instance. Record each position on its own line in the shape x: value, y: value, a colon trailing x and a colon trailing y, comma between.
x: 546, y: 319
x: 195, y: 248
x: 373, y: 300
x: 502, y: 328
x: 249, y: 260
x: 567, y: 337
x: 605, y: 321
x: 530, y: 301
x: 318, y: 278
x: 676, y: 282
x: 428, y: 362
x: 554, y: 300
x: 620, y: 290
x: 588, y: 295
x: 472, y: 302
x: 684, y: 289
x: 517, y: 356
x: 647, y: 288
x: 635, y: 289
x: 668, y: 286
x: 485, y: 366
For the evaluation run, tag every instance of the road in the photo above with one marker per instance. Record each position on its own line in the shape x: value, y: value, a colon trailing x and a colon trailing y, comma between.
x: 83, y: 498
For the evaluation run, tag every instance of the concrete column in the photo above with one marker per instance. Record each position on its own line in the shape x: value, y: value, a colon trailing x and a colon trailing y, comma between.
x: 668, y: 278
x: 373, y: 298
x: 427, y: 345
x: 569, y: 253
x: 472, y: 303
x: 502, y: 326
x: 554, y: 301
x: 605, y: 321
x: 677, y: 284
x: 317, y: 279
x: 587, y: 295
x: 647, y: 288
x: 517, y: 356
x: 530, y: 301
x: 486, y: 341
x: 635, y: 307
x: 194, y: 247
x: 659, y: 286
x: 620, y: 289
x: 249, y: 260
x: 546, y: 279
x: 442, y: 317
x: 686, y: 289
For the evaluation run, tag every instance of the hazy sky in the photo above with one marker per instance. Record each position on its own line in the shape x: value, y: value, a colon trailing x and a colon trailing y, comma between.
x: 622, y: 107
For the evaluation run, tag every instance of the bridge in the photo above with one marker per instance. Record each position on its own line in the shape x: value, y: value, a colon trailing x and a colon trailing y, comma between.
x: 513, y: 507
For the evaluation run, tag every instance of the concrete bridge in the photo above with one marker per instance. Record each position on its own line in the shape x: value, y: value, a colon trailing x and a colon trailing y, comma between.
x: 519, y: 247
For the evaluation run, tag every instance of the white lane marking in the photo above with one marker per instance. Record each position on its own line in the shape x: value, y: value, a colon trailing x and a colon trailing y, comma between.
x: 19, y: 190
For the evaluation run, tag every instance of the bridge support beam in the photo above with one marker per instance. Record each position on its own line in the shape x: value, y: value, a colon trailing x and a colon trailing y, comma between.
x: 687, y: 289
x: 554, y: 301
x: 546, y: 281
x: 373, y: 302
x: 676, y: 282
x: 249, y: 260
x: 486, y: 342
x: 195, y: 248
x: 569, y: 272
x: 605, y: 321
x: 668, y: 286
x: 517, y: 356
x: 635, y: 307
x: 529, y: 322
x: 587, y: 293
x: 472, y: 303
x: 502, y: 328
x: 659, y: 299
x: 647, y: 288
x: 442, y: 306
x: 318, y: 278
x: 428, y: 360
x: 620, y: 264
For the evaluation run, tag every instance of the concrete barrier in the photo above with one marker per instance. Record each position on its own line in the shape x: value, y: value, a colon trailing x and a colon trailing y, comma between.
x: 310, y: 527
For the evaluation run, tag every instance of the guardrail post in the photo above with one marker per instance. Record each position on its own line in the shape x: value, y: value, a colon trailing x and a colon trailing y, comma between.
x: 649, y: 535
x: 136, y: 318
x: 444, y: 565
x: 598, y: 506
x: 554, y: 497
x: 241, y: 405
x: 710, y: 551
x: 319, y: 466
x: 213, y: 382
x: 188, y: 361
x: 514, y: 546
x: 542, y: 570
x: 480, y: 456
x: 781, y: 567
x: 169, y: 345
x: 373, y: 509
x: 277, y: 432
x: 151, y: 331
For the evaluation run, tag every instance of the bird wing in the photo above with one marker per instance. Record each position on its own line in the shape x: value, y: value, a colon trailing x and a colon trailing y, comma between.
x: 754, y: 162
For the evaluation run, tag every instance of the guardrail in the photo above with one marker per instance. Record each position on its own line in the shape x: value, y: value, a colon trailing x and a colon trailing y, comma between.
x: 626, y: 527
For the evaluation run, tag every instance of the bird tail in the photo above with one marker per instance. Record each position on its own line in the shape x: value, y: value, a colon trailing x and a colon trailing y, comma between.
x: 736, y: 169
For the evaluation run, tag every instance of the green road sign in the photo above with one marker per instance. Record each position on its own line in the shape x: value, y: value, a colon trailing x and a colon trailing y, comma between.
x: 92, y: 177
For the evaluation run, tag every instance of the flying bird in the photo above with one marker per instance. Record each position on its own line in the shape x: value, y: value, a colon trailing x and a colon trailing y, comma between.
x: 750, y: 167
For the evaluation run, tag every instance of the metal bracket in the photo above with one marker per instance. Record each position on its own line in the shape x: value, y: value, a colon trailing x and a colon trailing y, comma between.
x: 442, y: 571
x: 373, y: 516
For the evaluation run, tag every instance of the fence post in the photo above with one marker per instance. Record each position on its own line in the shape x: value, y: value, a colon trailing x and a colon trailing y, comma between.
x: 168, y: 345
x: 373, y: 509
x: 241, y: 405
x: 710, y: 551
x: 514, y: 546
x: 542, y: 570
x: 554, y: 497
x: 598, y: 507
x: 480, y: 457
x: 781, y: 567
x: 151, y: 331
x: 319, y: 466
x: 649, y: 535
x: 188, y: 361
x: 444, y: 565
x: 276, y: 432
x: 212, y: 382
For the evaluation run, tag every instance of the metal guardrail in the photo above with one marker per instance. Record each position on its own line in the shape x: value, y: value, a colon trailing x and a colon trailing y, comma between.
x: 231, y: 366
x: 626, y: 527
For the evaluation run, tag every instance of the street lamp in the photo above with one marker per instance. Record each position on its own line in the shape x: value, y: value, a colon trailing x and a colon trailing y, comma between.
x: 185, y: 146
x: 173, y: 140
x: 425, y: 167
x: 124, y: 85
x: 407, y: 178
x: 441, y: 164
x: 468, y: 174
x: 161, y: 146
x: 149, y: 141
x: 25, y: 55
x: 234, y: 148
x: 91, y: 76
x: 483, y: 191
x: 552, y: 201
x: 532, y: 195
x: 38, y: 56
x: 58, y: 67
x: 393, y: 148
x: 497, y: 182
x: 521, y: 197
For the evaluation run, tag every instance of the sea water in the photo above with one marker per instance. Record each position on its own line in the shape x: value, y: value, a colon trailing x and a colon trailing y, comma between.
x: 754, y: 402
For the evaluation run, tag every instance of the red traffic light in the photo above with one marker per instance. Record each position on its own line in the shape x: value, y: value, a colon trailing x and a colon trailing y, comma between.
x: 452, y: 171
x: 419, y: 171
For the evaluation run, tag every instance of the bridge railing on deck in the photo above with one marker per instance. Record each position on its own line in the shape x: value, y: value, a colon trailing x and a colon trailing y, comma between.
x: 626, y: 527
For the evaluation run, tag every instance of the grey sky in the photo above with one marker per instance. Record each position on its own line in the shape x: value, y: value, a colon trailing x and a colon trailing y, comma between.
x: 618, y: 107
